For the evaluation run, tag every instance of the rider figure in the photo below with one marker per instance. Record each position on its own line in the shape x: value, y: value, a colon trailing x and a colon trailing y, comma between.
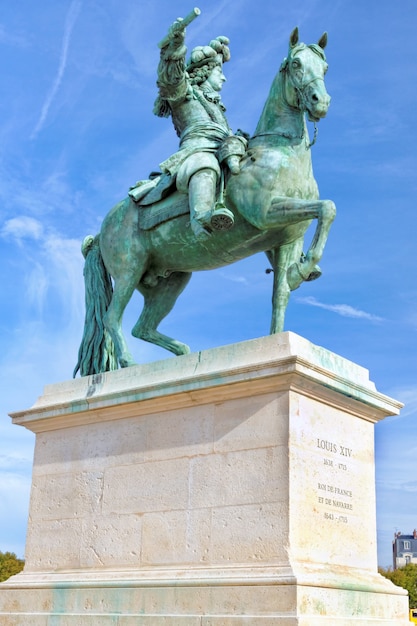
x: 190, y: 94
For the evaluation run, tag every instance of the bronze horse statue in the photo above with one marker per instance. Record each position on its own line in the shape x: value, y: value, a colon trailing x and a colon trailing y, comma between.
x: 274, y: 198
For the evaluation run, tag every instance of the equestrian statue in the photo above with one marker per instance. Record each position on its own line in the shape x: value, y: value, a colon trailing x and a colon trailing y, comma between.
x: 221, y: 197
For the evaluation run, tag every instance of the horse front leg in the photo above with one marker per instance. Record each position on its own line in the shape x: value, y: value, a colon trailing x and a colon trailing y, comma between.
x: 287, y: 211
x: 281, y: 259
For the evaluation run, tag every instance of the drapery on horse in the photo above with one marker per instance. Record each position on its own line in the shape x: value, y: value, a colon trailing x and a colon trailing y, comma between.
x: 274, y: 198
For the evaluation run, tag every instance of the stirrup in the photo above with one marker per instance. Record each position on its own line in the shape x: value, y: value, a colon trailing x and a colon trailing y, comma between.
x: 221, y: 218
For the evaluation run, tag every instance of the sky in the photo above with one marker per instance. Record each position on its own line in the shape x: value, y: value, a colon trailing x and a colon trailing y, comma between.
x: 77, y: 129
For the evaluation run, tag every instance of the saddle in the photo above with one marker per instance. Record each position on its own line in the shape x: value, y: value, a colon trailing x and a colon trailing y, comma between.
x: 159, y: 191
x: 158, y: 200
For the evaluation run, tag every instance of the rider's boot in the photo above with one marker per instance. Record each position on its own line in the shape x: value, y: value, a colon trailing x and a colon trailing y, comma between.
x: 204, y: 216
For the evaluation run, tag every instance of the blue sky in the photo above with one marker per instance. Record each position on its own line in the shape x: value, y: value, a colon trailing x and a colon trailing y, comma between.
x: 77, y: 129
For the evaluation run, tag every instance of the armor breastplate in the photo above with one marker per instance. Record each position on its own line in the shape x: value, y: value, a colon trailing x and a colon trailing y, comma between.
x: 197, y: 111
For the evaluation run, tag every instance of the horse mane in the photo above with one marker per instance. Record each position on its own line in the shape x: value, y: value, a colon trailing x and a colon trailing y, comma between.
x: 318, y: 50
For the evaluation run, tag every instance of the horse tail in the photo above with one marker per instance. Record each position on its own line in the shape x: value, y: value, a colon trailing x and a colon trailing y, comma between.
x: 97, y: 351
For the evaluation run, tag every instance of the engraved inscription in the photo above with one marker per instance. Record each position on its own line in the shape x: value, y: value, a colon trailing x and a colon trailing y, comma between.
x: 332, y: 496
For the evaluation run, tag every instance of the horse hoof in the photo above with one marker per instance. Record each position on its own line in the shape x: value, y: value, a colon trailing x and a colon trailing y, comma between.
x: 295, y: 276
x: 180, y: 348
x: 222, y: 219
x: 314, y: 275
x: 126, y: 362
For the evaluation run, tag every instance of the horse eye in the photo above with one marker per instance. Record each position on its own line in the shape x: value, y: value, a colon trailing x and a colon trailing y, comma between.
x: 296, y: 64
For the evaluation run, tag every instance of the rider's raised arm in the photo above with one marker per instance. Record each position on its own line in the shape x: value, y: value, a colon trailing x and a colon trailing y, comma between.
x: 172, y: 77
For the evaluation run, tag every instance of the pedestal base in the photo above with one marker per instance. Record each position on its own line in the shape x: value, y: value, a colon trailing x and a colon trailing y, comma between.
x: 225, y: 488
x: 208, y: 603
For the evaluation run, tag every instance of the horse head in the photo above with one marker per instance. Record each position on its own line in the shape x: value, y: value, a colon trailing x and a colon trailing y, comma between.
x: 303, y: 74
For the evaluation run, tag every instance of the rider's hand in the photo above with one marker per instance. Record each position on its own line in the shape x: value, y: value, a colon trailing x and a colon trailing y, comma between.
x: 233, y: 163
x: 176, y: 30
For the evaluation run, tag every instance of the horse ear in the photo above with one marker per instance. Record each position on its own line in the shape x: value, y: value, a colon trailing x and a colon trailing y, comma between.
x: 323, y: 41
x: 294, y: 37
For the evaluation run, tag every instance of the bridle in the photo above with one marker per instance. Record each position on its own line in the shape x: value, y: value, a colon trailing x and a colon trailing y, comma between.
x: 300, y: 86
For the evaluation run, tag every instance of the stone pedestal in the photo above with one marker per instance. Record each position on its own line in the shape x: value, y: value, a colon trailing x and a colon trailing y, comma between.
x: 226, y: 488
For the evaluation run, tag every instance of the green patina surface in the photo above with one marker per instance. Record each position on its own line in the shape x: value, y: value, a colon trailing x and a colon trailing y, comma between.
x: 222, y: 197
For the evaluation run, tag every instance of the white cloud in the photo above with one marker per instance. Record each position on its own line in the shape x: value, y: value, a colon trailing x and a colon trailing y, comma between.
x: 235, y: 278
x: 345, y: 310
x: 22, y: 227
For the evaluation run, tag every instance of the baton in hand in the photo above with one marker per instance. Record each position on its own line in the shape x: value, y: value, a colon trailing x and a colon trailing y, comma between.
x: 181, y: 26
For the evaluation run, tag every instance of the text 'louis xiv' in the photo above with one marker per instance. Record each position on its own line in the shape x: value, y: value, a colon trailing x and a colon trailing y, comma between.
x: 334, y: 448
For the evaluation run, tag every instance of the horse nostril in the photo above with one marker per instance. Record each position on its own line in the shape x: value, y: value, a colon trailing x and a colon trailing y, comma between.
x: 314, y: 97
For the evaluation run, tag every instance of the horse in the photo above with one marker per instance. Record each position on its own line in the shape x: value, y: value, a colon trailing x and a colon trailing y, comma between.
x: 274, y: 199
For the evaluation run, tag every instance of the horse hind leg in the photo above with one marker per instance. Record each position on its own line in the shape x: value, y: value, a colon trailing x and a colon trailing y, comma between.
x: 159, y: 300
x: 281, y: 259
x: 123, y: 291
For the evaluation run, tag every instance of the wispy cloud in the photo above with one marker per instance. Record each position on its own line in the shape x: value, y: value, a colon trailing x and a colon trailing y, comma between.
x: 12, y: 39
x: 71, y: 18
x: 14, y: 493
x: 53, y: 262
x: 408, y: 396
x: 345, y: 310
x: 37, y: 285
x: 410, y: 487
x: 235, y: 278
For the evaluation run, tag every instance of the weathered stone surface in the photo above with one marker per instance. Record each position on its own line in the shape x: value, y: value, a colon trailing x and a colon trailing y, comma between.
x: 234, y: 487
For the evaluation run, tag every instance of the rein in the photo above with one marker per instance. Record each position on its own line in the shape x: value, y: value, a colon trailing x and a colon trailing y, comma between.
x: 290, y: 136
x: 302, y: 107
x: 316, y: 132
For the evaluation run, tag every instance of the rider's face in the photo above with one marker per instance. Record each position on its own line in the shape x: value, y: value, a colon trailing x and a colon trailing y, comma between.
x: 216, y: 78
